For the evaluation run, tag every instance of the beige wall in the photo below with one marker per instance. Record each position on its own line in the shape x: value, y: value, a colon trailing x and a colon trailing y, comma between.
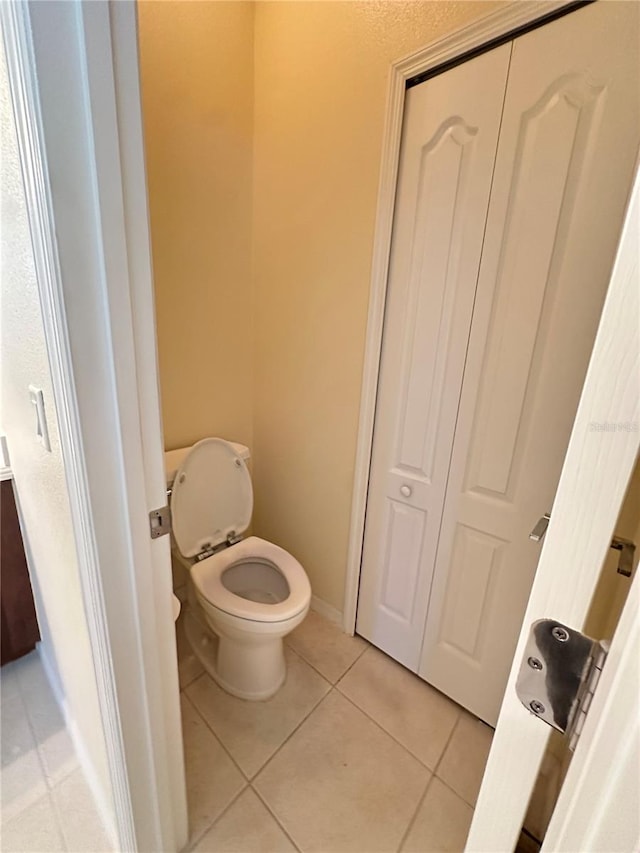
x: 321, y: 77
x: 39, y: 475
x: 197, y: 98
x: 315, y: 76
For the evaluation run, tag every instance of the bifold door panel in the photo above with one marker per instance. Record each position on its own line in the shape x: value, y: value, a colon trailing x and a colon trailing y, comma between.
x: 496, y: 437
x: 449, y: 147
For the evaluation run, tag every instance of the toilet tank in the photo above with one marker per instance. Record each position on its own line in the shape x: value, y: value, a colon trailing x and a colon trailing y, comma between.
x: 173, y: 459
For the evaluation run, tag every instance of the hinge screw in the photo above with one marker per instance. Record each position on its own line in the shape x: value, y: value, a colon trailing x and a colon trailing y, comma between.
x: 534, y: 663
x: 536, y: 707
x: 560, y: 634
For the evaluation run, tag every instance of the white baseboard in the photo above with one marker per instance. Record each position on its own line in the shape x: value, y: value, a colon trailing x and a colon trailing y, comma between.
x: 326, y: 610
x: 103, y: 805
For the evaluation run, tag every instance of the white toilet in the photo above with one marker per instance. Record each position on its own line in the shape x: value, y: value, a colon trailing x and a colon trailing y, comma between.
x: 248, y: 592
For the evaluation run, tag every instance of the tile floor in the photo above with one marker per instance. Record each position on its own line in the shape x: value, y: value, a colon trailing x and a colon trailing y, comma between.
x: 46, y: 803
x: 354, y: 753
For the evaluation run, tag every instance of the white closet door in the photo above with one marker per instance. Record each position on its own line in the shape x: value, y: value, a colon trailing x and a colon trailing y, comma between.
x: 563, y: 173
x: 449, y: 146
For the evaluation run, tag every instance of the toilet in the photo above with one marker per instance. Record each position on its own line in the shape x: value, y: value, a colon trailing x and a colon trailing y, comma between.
x: 245, y: 595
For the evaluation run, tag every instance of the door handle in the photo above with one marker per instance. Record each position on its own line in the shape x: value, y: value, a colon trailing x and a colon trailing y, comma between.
x: 627, y: 550
x: 406, y: 491
x: 541, y: 528
x: 626, y: 547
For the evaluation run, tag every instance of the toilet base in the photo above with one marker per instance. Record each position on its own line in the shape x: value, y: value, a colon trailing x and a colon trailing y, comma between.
x: 248, y: 670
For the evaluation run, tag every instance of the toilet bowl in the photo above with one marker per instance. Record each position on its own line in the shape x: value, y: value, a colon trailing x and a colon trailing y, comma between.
x: 245, y: 595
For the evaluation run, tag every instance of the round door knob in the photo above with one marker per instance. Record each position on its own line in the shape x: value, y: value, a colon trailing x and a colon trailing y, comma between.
x: 406, y: 491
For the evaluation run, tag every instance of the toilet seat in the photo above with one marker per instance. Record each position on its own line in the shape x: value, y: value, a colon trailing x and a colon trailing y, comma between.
x: 207, y: 578
x: 211, y: 497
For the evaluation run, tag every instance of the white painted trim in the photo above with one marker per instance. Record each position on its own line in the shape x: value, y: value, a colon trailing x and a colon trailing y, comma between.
x: 492, y: 26
x: 103, y: 806
x: 25, y: 98
x: 331, y: 613
x: 74, y: 74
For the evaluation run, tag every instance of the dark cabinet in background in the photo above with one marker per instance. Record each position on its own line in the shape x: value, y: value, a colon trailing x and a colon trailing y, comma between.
x: 18, y: 621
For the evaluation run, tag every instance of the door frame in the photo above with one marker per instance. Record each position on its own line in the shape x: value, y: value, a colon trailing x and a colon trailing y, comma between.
x: 500, y: 24
x: 73, y: 72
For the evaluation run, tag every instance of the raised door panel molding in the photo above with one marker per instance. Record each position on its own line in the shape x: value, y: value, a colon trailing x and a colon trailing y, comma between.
x: 476, y: 558
x: 537, y: 221
x: 434, y: 280
x: 404, y: 539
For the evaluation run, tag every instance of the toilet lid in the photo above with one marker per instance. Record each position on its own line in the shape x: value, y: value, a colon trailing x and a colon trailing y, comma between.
x: 212, y: 496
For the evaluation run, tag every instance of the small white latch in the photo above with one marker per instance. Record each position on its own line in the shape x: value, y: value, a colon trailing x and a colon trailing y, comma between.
x: 42, y: 431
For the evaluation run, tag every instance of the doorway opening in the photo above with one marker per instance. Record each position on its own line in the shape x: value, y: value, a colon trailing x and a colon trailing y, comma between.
x: 176, y: 377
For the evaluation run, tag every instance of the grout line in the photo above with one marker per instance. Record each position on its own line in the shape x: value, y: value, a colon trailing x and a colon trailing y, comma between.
x: 430, y: 782
x: 412, y: 820
x: 213, y: 731
x: 304, y: 660
x: 291, y: 733
x: 277, y: 750
x: 443, y: 781
x: 198, y: 838
x: 184, y: 686
x: 453, y: 791
x: 355, y: 661
x: 36, y: 744
x: 49, y: 782
x: 446, y: 746
x: 322, y: 674
x: 32, y: 731
x: 394, y: 738
x: 274, y: 816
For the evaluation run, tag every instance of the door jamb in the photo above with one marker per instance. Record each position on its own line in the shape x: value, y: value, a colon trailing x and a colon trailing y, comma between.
x: 487, y: 29
x: 73, y: 73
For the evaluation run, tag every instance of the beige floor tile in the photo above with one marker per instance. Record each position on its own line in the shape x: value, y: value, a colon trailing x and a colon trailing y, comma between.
x: 212, y: 778
x: 247, y: 827
x: 341, y: 784
x: 34, y: 830
x: 462, y: 765
x: 55, y: 746
x: 253, y: 731
x: 414, y: 713
x: 9, y: 681
x: 189, y: 667
x: 78, y: 817
x: 442, y: 822
x: 22, y: 780
x: 325, y: 646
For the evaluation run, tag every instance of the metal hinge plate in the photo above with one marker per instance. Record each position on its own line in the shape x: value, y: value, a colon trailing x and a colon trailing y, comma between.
x: 559, y: 674
x: 160, y: 522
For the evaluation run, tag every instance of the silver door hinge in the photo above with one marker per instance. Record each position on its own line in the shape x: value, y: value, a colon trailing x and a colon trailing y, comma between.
x: 559, y: 674
x: 160, y: 522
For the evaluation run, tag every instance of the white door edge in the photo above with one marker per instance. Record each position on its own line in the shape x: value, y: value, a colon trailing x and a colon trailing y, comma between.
x: 72, y: 67
x: 599, y: 804
x: 492, y: 26
x: 605, y: 440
